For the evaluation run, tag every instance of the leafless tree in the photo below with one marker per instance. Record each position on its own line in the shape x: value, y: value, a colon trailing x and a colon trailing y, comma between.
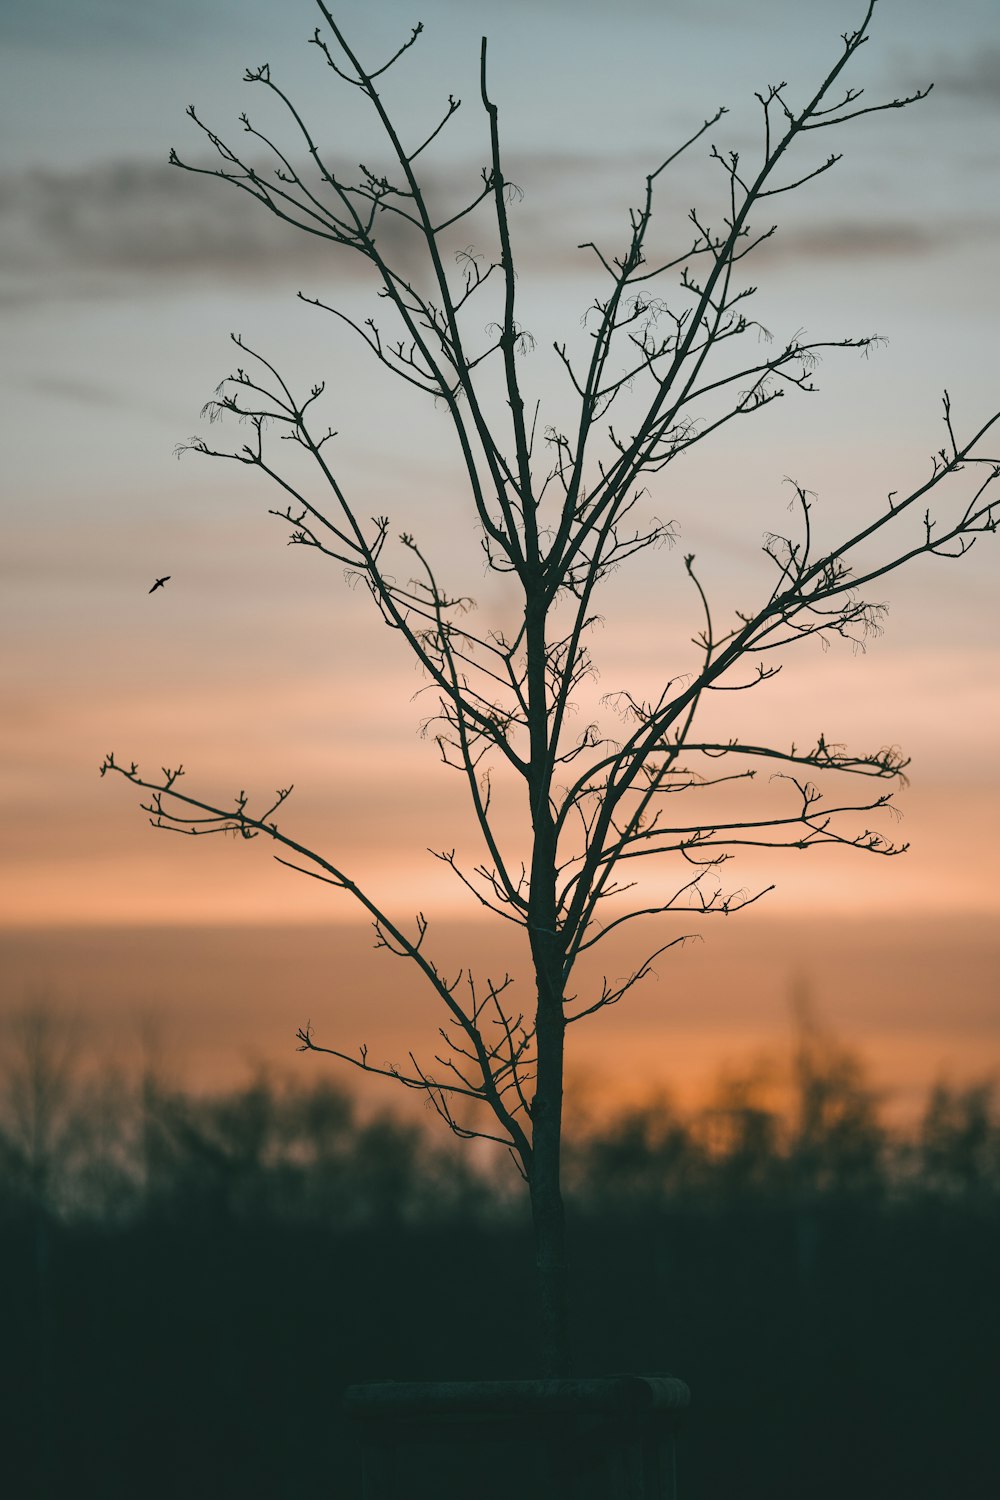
x: 558, y: 511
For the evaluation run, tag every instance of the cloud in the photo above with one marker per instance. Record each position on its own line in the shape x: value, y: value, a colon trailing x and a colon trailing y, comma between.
x: 120, y: 26
x: 79, y: 233
x: 843, y: 240
x: 77, y: 392
x: 975, y: 77
x: 108, y: 229
x: 100, y: 230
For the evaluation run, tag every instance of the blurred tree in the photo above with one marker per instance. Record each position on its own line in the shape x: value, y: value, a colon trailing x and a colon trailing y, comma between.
x: 837, y: 1139
x: 44, y: 1150
x: 646, y: 1156
x: 53, y: 1123
x: 743, y: 1130
x: 656, y: 376
x: 958, y: 1147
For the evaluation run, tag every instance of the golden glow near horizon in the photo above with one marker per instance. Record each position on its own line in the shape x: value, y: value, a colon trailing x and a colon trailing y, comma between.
x: 255, y: 665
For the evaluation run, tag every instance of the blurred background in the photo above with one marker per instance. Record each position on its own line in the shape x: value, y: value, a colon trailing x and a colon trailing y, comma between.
x: 190, y: 1280
x: 187, y: 966
x: 255, y: 666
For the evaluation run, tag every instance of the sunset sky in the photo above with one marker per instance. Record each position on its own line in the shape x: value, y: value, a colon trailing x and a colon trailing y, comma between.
x: 121, y: 279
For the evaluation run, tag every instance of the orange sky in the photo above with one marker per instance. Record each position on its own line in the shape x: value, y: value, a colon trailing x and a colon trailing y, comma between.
x: 256, y: 666
x: 918, y: 1001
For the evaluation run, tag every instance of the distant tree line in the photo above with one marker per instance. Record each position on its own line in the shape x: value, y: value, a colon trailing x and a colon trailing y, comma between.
x: 84, y: 1143
x: 187, y: 1283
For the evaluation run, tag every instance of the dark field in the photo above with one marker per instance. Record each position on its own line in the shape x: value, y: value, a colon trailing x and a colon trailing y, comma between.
x: 189, y: 1284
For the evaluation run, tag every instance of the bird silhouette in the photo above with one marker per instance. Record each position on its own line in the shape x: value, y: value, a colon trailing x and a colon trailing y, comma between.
x: 159, y: 583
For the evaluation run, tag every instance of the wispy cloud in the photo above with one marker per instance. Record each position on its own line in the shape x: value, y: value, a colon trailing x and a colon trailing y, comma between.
x: 97, y: 231
x: 843, y: 240
x: 114, y: 25
x: 77, y: 392
x: 106, y: 229
x: 71, y: 234
x: 975, y: 77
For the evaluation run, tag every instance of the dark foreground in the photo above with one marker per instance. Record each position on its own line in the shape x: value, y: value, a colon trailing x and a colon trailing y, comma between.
x: 182, y: 1307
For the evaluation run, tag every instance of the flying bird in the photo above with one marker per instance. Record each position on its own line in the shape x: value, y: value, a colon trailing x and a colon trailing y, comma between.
x: 159, y: 583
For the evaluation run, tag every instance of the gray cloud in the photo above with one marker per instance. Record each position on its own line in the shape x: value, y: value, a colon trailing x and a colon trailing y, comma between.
x: 842, y: 240
x: 975, y: 77
x: 77, y: 392
x: 73, y: 234
x: 97, y: 230
x: 101, y: 26
x: 109, y: 229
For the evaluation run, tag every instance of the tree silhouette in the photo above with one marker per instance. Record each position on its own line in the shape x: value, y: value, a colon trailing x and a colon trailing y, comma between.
x: 558, y: 511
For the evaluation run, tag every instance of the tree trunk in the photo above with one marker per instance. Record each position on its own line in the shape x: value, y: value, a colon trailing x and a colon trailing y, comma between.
x: 548, y: 955
x: 547, y: 1211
